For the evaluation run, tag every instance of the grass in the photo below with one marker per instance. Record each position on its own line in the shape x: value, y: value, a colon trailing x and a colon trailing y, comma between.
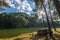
x: 11, y: 33
x: 6, y: 33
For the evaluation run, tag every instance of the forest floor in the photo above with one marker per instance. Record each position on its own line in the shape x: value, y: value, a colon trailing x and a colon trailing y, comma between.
x: 32, y: 36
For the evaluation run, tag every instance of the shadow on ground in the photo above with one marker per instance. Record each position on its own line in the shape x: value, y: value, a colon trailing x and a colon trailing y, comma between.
x: 37, y: 37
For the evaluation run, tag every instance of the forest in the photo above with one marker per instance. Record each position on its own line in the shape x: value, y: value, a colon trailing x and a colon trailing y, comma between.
x: 20, y: 20
x: 29, y: 19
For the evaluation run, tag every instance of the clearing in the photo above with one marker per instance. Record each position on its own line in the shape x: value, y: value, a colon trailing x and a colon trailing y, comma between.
x: 24, y: 34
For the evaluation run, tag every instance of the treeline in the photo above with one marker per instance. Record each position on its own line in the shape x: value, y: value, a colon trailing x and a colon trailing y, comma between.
x: 13, y: 20
x: 20, y: 19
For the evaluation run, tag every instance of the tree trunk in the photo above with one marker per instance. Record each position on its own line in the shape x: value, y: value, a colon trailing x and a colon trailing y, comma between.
x: 47, y: 18
x: 51, y: 16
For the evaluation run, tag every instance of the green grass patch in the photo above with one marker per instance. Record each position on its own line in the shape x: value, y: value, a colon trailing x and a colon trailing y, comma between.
x: 6, y: 33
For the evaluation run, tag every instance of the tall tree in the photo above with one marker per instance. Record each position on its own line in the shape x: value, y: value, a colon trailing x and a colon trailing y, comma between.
x: 37, y: 2
x: 49, y: 27
x: 49, y: 2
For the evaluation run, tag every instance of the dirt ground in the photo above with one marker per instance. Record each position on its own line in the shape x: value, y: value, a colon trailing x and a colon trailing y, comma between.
x: 33, y: 36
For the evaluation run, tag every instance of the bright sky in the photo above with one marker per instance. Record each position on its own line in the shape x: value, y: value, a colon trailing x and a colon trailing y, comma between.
x: 20, y: 6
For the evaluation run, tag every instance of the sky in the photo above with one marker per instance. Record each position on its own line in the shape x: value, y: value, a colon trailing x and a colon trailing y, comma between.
x: 20, y: 6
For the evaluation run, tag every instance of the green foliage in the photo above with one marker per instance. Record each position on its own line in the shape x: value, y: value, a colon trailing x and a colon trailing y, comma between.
x: 13, y: 20
x: 3, y: 3
x: 55, y: 16
x: 18, y: 20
